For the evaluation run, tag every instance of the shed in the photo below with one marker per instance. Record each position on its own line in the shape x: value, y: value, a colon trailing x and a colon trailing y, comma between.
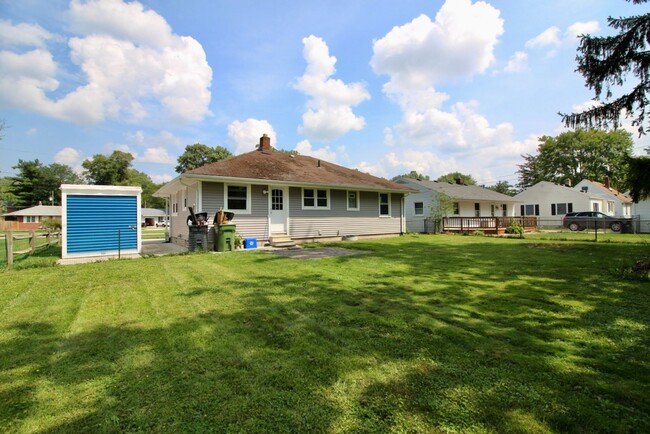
x: 100, y: 221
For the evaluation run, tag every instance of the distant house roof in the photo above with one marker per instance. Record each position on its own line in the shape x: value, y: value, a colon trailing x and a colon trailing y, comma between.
x: 460, y: 191
x: 272, y: 166
x: 603, y: 189
x: 38, y: 211
x: 152, y: 212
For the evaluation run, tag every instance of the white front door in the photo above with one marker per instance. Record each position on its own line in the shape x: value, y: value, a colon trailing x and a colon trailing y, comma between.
x: 278, y: 209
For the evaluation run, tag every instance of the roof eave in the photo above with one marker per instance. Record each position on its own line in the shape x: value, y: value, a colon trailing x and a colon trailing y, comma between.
x: 259, y: 181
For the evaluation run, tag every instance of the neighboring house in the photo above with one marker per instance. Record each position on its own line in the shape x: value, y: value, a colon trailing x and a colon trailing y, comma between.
x: 605, y: 199
x: 151, y: 216
x: 550, y: 202
x: 641, y: 211
x: 467, y: 201
x: 273, y: 193
x: 32, y: 218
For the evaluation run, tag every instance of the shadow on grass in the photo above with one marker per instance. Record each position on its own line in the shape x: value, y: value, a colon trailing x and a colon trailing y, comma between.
x: 450, y: 339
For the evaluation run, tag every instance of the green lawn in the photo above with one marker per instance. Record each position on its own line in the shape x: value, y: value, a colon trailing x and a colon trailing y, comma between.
x: 422, y: 334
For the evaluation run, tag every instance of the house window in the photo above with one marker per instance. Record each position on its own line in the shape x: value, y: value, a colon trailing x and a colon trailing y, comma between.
x: 610, y: 207
x: 504, y: 210
x: 627, y: 209
x: 527, y: 210
x: 30, y: 219
x: 185, y: 200
x: 561, y: 208
x: 492, y: 210
x: 595, y: 207
x: 175, y: 203
x: 477, y: 209
x: 238, y: 198
x: 313, y: 198
x: 419, y: 208
x: 353, y: 201
x: 456, y: 208
x: 384, y: 204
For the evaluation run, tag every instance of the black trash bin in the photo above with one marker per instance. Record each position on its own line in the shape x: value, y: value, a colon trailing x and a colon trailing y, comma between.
x: 197, y: 238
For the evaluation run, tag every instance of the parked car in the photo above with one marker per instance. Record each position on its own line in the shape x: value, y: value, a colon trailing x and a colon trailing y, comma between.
x: 579, y: 221
x: 162, y: 224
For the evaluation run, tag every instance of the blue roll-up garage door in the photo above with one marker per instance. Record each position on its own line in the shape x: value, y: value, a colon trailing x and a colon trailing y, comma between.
x: 94, y: 223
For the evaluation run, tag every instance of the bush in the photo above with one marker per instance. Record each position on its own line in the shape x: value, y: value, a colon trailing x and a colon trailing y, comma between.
x: 51, y: 224
x: 515, y: 228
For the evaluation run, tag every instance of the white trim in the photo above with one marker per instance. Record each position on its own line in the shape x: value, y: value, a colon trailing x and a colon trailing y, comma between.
x: 199, y: 197
x: 285, y: 204
x: 389, y: 205
x: 246, y: 211
x: 316, y: 207
x: 347, y: 200
x: 415, y: 213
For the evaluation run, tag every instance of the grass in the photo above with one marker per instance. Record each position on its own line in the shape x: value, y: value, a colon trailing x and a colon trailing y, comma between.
x: 153, y: 234
x: 44, y: 256
x: 422, y: 334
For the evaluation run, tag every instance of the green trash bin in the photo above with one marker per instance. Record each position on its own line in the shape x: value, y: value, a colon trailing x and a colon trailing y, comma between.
x: 226, y: 238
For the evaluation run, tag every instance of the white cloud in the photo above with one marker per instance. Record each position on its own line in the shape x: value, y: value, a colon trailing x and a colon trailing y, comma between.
x: 589, y: 104
x: 549, y: 37
x: 373, y: 169
x: 134, y: 67
x: 329, y: 111
x: 459, y: 43
x: 517, y: 63
x: 23, y: 34
x: 158, y: 155
x: 159, y: 179
x: 581, y: 28
x: 246, y: 135
x: 163, y: 138
x: 69, y: 156
x: 325, y: 153
x: 31, y: 132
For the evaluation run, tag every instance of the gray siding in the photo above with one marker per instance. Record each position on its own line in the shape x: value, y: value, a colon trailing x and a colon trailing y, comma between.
x: 253, y: 225
x: 338, y: 221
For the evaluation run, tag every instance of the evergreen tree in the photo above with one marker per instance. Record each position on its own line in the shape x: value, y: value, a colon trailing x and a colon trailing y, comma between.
x: 605, y: 62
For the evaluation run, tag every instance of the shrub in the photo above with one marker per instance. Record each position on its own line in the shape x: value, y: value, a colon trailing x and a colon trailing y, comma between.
x: 51, y: 224
x: 515, y: 228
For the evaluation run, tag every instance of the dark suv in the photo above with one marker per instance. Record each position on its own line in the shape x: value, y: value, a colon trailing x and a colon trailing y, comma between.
x: 579, y: 221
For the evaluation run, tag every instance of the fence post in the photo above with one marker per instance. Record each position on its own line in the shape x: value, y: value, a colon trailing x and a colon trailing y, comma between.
x: 9, y: 243
x: 48, y: 239
x: 32, y: 240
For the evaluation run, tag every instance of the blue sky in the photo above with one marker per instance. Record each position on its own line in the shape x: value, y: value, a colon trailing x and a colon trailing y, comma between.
x: 383, y: 86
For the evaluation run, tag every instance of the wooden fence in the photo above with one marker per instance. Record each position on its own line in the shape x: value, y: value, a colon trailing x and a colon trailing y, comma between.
x: 51, y: 238
x: 487, y: 224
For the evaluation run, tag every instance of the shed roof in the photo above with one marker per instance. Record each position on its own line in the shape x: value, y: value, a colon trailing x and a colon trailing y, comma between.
x: 152, y: 212
x: 461, y: 191
x: 275, y: 166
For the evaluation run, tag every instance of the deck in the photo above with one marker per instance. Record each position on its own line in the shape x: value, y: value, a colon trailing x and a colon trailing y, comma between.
x: 488, y: 225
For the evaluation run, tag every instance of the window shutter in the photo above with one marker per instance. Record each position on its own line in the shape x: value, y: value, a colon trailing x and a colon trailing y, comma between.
x: 570, y: 207
x: 552, y: 209
x: 536, y: 209
x: 523, y: 209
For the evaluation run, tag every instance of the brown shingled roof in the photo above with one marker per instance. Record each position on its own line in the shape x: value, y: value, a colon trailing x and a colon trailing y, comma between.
x: 620, y: 196
x: 300, y: 169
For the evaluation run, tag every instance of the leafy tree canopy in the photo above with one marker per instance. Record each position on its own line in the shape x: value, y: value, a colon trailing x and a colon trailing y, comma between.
x: 141, y: 179
x: 606, y: 62
x: 577, y: 155
x: 639, y: 178
x: 111, y: 170
x: 38, y: 183
x: 453, y: 176
x: 413, y: 175
x: 503, y: 187
x: 198, y: 155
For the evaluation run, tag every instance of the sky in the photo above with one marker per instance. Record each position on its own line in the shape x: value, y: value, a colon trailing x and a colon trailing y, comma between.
x: 383, y: 86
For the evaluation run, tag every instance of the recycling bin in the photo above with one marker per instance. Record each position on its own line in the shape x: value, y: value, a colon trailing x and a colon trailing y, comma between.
x: 226, y: 237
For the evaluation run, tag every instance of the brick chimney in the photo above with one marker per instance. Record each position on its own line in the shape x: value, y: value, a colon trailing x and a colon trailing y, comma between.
x: 265, y: 143
x: 606, y: 183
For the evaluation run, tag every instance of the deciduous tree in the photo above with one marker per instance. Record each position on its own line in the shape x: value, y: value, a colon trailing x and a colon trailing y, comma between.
x: 503, y: 187
x: 454, y: 176
x: 198, y: 155
x: 413, y: 175
x: 111, y: 170
x: 577, y: 155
